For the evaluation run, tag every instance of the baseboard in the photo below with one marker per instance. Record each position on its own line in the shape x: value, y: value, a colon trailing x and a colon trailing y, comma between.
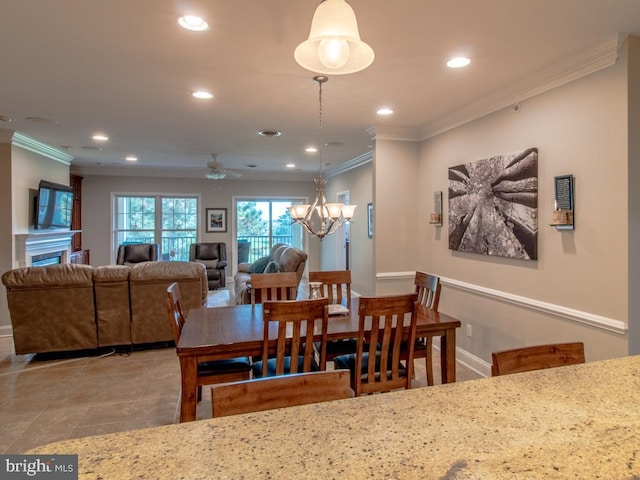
x: 468, y: 360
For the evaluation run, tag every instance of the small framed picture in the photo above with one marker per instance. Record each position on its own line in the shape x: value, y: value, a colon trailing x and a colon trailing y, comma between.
x: 216, y: 220
x: 370, y: 219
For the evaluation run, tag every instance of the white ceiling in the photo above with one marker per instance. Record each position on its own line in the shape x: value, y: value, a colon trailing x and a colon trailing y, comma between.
x: 125, y: 68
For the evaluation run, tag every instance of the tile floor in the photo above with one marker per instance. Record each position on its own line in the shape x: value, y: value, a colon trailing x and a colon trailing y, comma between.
x: 46, y: 400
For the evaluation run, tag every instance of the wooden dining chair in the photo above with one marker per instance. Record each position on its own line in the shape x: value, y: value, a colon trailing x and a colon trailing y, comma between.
x: 273, y: 286
x: 296, y: 322
x: 260, y: 394
x: 428, y: 290
x: 381, y: 332
x: 336, y: 286
x: 209, y: 372
x: 537, y: 357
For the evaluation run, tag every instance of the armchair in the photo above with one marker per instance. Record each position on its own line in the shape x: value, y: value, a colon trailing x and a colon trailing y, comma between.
x: 214, y: 257
x: 131, y: 253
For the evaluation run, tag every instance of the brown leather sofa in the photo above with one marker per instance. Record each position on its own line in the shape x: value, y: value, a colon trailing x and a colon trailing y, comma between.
x: 76, y: 307
x: 282, y: 258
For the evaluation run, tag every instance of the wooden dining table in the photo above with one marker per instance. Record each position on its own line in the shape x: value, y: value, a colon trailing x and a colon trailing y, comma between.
x: 219, y: 333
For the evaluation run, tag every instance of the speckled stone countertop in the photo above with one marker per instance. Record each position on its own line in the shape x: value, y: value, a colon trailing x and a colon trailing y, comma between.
x: 579, y: 422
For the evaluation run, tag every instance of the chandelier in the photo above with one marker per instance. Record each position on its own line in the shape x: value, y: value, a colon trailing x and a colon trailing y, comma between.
x: 321, y: 218
x: 334, y: 46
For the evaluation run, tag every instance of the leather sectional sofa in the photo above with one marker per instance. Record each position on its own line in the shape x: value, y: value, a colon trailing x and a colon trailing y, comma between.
x: 76, y: 307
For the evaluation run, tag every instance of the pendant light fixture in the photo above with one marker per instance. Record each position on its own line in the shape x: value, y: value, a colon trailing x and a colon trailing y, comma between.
x: 334, y: 46
x: 321, y: 218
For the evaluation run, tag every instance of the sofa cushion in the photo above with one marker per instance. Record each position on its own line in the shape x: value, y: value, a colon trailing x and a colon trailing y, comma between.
x: 259, y: 265
x: 273, y: 267
x: 291, y: 258
x: 137, y: 253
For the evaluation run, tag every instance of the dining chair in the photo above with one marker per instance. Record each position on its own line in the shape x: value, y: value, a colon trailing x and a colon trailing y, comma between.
x: 273, y: 286
x: 381, y: 332
x: 427, y: 287
x: 336, y: 286
x: 295, y: 322
x: 260, y: 394
x: 537, y: 357
x: 209, y: 372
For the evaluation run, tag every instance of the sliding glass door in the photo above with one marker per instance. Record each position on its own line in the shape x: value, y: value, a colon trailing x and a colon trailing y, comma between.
x: 263, y: 222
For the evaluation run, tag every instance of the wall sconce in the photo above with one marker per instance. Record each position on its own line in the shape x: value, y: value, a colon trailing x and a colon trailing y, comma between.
x: 563, y: 208
x: 436, y: 217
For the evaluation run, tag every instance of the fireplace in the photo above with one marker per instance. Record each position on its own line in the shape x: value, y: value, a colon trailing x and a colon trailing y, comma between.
x: 43, y: 248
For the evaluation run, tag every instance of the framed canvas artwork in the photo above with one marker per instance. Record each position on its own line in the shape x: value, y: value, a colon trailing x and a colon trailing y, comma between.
x: 493, y: 205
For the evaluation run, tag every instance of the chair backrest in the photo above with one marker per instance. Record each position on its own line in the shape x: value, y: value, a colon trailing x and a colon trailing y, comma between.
x: 212, y: 252
x: 131, y: 253
x: 336, y: 284
x: 381, y: 331
x: 296, y: 323
x: 174, y: 308
x: 428, y: 289
x: 535, y: 358
x: 267, y: 393
x: 273, y: 286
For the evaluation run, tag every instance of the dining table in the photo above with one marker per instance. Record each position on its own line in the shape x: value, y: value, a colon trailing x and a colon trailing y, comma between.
x: 217, y: 333
x: 573, y: 422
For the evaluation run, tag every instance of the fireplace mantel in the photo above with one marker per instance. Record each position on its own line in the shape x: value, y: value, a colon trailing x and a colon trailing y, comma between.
x: 42, y: 242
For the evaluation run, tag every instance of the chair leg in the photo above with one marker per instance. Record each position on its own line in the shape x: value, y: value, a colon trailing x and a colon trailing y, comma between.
x: 199, y: 393
x: 429, y: 362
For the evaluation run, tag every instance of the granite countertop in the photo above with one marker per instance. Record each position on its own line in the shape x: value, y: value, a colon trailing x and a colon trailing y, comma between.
x: 578, y: 422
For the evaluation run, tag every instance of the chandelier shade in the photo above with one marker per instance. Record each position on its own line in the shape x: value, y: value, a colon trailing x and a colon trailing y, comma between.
x: 334, y: 46
x: 321, y: 218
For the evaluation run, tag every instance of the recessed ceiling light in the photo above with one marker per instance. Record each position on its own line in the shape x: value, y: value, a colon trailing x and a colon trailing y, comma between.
x: 100, y: 137
x: 202, y: 95
x: 193, y: 23
x: 131, y: 158
x: 269, y: 133
x: 458, y: 62
x: 311, y: 149
x: 290, y: 165
x: 384, y: 111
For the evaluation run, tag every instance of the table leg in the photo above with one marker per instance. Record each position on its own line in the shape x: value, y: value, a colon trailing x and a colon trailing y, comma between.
x: 448, y: 356
x: 189, y: 373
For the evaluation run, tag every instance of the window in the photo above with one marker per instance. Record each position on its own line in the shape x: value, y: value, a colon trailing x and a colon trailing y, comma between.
x: 171, y: 222
x: 262, y: 223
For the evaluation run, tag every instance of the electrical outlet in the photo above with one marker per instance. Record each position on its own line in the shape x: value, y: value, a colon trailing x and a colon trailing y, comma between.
x: 469, y: 330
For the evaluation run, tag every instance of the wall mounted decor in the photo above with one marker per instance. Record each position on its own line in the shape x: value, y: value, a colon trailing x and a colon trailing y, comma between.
x: 563, y: 205
x: 216, y: 220
x: 493, y: 205
x: 436, y: 217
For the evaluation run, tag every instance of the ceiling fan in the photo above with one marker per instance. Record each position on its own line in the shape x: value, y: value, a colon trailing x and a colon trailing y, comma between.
x: 217, y: 170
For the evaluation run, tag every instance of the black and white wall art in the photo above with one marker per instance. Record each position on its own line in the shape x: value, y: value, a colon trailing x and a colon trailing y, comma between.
x: 493, y: 205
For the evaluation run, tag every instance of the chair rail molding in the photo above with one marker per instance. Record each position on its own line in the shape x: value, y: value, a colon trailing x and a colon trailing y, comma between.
x: 578, y: 316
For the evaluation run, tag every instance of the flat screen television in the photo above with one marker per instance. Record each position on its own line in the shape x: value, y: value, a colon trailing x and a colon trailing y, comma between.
x: 54, y: 206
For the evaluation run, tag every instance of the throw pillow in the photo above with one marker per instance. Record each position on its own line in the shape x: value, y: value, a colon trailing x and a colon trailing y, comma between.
x: 259, y: 265
x: 273, y: 267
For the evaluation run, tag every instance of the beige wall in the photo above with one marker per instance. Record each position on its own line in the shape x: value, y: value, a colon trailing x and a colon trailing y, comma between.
x: 396, y: 214
x: 581, y: 129
x: 633, y: 90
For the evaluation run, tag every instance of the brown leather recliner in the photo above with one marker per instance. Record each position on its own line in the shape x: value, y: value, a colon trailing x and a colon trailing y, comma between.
x: 214, y: 258
x: 132, y: 253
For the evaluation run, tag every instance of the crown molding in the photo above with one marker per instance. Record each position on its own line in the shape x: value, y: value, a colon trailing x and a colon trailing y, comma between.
x: 588, y: 61
x: 27, y: 143
x: 401, y: 134
x: 350, y: 165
